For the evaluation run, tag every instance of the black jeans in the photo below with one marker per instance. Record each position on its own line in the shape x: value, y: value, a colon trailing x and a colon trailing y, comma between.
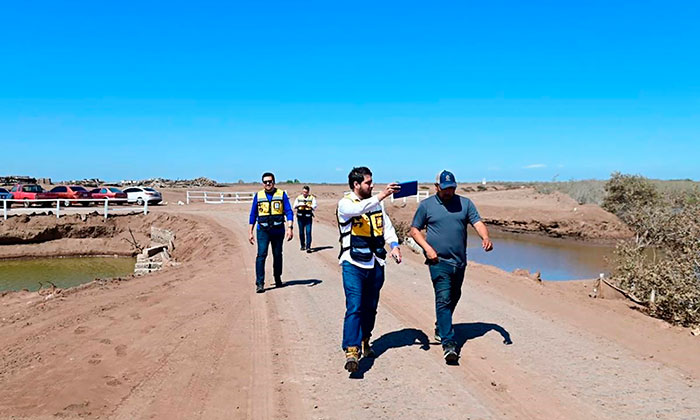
x: 265, y: 238
x: 305, y: 231
x: 447, y: 283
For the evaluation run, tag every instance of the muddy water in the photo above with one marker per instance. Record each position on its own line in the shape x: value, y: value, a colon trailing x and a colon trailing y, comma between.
x: 63, y: 272
x: 556, y: 259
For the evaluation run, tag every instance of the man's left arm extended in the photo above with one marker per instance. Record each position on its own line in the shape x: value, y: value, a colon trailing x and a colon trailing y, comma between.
x: 391, y: 237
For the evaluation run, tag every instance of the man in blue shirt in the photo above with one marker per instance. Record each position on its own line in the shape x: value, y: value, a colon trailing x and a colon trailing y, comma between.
x: 270, y: 209
x: 446, y: 215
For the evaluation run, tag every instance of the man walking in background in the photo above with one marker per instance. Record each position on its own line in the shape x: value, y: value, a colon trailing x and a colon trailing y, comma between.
x: 446, y: 216
x: 364, y: 229
x: 305, y: 204
x: 270, y: 208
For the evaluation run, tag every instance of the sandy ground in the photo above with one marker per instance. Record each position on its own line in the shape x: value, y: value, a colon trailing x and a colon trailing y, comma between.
x: 195, y: 341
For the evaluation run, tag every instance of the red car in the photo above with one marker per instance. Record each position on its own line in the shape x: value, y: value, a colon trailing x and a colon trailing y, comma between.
x: 109, y: 192
x: 29, y: 192
x: 72, y: 192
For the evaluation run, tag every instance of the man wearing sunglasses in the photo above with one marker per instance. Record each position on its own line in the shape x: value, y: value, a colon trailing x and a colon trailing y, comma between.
x: 270, y: 209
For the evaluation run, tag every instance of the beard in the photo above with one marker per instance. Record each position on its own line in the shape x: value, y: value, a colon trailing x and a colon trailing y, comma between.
x: 364, y: 194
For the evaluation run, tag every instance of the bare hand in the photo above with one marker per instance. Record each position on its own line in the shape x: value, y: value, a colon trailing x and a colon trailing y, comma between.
x: 290, y: 234
x: 396, y: 253
x: 250, y: 238
x: 389, y: 190
x: 431, y: 255
x: 487, y: 244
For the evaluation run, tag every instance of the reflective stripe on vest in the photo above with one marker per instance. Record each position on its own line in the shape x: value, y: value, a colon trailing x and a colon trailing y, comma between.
x: 305, y: 209
x: 366, y: 235
x: 270, y: 212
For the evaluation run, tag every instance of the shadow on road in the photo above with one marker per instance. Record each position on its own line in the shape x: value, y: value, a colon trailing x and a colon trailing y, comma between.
x: 472, y: 330
x: 320, y: 248
x: 392, y: 340
x: 307, y: 282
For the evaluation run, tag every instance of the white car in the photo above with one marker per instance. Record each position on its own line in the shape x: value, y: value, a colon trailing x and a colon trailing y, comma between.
x: 140, y: 194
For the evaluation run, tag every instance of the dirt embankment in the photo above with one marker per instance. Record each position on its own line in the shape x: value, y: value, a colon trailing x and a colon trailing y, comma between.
x: 79, y: 235
x: 517, y: 211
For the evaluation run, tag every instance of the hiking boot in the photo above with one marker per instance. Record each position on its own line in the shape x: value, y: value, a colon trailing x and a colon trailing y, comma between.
x: 367, y: 350
x: 259, y: 288
x: 352, y: 359
x: 450, y: 353
x: 278, y: 282
x: 437, y: 336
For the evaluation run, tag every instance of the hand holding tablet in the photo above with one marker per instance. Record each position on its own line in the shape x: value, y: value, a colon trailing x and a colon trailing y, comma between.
x: 407, y: 189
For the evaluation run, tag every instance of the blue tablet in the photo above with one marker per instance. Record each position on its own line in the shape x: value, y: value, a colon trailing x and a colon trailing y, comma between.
x: 407, y: 189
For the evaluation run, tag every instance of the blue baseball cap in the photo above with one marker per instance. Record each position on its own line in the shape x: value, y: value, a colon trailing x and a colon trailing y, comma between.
x: 446, y: 179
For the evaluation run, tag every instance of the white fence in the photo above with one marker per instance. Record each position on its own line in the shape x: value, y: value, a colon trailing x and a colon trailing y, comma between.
x: 220, y: 197
x: 421, y: 195
x: 107, y: 205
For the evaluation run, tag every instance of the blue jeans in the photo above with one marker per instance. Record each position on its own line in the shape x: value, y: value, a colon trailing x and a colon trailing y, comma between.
x: 305, y: 231
x: 265, y: 238
x: 362, y: 288
x: 447, y: 283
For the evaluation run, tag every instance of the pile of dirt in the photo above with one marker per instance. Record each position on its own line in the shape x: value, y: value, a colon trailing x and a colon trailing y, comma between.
x: 79, y: 235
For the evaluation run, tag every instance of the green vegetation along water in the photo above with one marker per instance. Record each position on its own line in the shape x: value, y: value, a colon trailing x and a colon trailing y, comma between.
x: 63, y: 272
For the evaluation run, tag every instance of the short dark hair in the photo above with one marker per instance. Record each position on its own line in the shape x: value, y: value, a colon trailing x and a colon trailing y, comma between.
x: 358, y: 175
x: 306, y: 187
x: 268, y: 174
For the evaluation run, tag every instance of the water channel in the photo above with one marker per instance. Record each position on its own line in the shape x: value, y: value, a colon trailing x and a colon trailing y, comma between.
x: 555, y: 259
x: 63, y: 272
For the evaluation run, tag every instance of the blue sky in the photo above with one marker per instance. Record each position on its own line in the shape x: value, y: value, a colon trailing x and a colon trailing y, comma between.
x: 502, y: 90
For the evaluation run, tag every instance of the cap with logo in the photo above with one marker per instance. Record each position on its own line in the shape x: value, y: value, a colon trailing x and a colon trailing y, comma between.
x: 446, y: 179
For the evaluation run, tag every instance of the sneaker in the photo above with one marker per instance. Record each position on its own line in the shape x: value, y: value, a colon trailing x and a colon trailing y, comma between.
x: 259, y: 288
x: 352, y: 359
x: 308, y: 250
x: 450, y: 353
x: 302, y: 248
x: 367, y: 350
x: 278, y: 282
x: 437, y: 336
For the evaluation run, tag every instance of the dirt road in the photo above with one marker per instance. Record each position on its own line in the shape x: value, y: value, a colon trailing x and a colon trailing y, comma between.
x: 195, y: 341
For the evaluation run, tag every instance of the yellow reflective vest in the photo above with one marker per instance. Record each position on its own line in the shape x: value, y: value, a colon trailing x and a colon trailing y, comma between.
x: 305, y: 209
x: 365, y: 237
x: 270, y: 212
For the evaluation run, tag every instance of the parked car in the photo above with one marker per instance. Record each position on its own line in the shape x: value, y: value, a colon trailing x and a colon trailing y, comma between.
x: 72, y: 192
x: 4, y: 194
x: 29, y: 192
x: 111, y: 193
x: 140, y: 194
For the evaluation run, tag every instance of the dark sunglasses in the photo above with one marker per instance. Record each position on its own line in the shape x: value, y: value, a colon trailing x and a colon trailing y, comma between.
x: 268, y: 182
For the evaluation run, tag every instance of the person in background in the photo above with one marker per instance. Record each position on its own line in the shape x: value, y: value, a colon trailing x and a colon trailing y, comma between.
x: 446, y: 215
x: 364, y: 230
x: 305, y: 205
x: 270, y: 209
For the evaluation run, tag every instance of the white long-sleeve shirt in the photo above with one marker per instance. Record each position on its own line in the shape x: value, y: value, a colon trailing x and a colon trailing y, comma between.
x: 347, y: 209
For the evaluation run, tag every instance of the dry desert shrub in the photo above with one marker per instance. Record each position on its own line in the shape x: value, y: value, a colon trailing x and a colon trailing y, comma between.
x: 660, y: 266
x: 402, y: 228
x: 588, y: 191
